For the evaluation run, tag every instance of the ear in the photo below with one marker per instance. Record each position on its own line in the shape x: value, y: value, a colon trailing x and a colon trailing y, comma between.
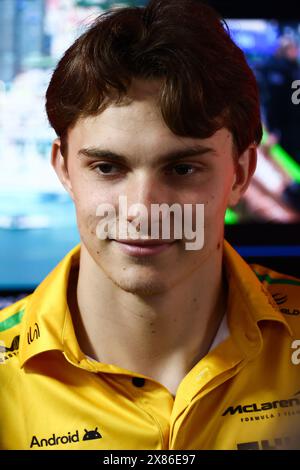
x: 244, y: 170
x: 60, y: 166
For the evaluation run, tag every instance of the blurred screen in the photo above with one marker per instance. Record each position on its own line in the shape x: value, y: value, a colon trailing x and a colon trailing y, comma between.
x: 273, y: 52
x: 37, y: 217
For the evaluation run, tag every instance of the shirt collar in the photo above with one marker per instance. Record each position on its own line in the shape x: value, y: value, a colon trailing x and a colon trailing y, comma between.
x: 48, y: 325
x: 249, y: 305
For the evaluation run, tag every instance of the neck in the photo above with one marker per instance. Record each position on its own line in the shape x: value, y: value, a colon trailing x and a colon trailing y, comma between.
x: 161, y: 336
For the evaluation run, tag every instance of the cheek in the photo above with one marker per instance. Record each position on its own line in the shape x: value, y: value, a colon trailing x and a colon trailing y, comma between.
x: 87, y: 204
x: 86, y: 210
x: 216, y: 202
x: 220, y: 189
x: 86, y: 222
x: 87, y: 197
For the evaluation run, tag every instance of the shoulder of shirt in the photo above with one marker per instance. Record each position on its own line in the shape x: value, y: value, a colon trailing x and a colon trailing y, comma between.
x: 11, y: 319
x: 285, y: 291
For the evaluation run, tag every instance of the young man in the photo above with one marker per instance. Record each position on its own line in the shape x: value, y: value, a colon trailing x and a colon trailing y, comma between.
x: 145, y: 344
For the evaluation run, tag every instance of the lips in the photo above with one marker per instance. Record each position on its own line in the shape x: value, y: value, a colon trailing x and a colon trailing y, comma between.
x: 138, y: 248
x: 145, y: 242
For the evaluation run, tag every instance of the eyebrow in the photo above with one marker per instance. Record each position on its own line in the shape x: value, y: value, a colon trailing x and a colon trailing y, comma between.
x: 98, y: 153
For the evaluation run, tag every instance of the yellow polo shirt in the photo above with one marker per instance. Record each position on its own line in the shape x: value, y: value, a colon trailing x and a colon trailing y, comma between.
x: 245, y: 393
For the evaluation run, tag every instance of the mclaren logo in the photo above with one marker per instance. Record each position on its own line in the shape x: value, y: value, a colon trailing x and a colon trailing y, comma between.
x: 254, y: 407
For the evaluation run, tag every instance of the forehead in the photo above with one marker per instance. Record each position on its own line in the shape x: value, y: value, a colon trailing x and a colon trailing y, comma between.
x: 137, y: 122
x: 137, y: 109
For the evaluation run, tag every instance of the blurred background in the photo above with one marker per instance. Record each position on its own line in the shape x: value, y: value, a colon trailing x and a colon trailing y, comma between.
x: 37, y: 217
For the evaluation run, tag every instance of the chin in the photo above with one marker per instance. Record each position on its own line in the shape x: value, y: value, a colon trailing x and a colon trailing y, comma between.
x: 143, y: 288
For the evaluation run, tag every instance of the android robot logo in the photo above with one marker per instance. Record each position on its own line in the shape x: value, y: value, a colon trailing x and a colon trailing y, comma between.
x: 89, y: 435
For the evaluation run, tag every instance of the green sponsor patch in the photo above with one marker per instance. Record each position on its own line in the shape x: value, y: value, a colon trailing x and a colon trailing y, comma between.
x: 12, y: 321
x: 271, y: 280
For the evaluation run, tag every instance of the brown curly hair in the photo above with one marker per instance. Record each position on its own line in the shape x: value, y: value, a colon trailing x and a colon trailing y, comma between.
x: 206, y: 83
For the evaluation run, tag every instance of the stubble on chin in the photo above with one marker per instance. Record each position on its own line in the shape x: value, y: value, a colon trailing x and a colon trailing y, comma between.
x: 136, y: 285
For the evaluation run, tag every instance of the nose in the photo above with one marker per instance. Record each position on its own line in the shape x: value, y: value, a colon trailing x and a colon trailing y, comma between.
x: 145, y: 189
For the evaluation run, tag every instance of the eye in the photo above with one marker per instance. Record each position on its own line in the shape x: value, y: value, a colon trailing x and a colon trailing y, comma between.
x: 105, y: 168
x: 182, y: 169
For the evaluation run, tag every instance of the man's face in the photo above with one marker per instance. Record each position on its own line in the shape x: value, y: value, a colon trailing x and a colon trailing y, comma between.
x: 137, y: 131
